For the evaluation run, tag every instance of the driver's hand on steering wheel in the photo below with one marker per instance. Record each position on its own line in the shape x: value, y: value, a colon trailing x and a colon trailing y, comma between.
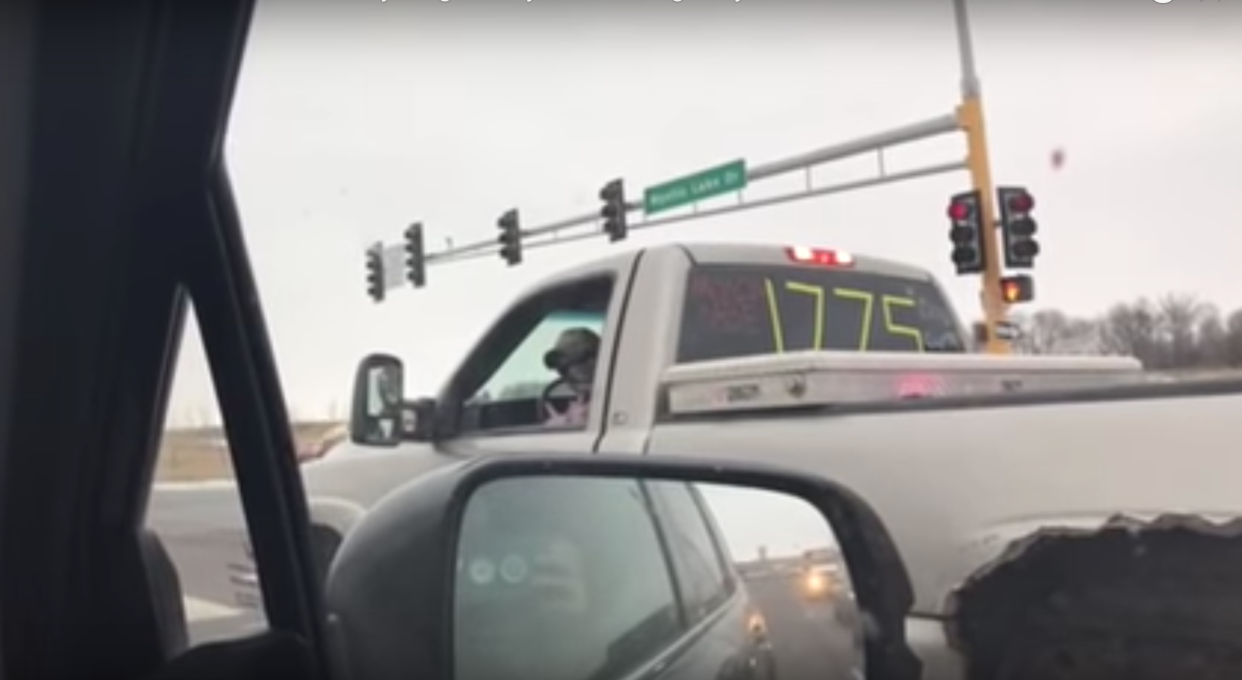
x: 575, y: 412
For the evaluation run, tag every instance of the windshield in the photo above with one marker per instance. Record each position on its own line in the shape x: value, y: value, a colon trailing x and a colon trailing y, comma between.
x: 731, y: 311
x: 513, y: 133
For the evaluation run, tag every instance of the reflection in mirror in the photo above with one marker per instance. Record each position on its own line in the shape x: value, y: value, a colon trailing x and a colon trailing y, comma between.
x: 385, y: 391
x: 602, y: 578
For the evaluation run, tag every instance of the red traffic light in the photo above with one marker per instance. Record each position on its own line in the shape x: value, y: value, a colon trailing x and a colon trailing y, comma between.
x: 1021, y: 203
x: 960, y: 211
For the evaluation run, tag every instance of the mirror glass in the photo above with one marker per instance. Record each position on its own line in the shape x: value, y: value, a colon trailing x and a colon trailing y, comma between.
x: 381, y: 409
x: 384, y: 391
x: 602, y: 578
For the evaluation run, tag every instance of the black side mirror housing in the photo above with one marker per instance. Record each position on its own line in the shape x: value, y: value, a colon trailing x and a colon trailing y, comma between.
x: 391, y: 573
x: 375, y: 412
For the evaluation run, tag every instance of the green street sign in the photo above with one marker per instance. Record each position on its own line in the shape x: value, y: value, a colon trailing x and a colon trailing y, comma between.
x: 690, y: 189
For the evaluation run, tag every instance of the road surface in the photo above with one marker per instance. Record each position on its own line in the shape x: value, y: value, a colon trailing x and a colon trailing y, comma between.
x: 809, y: 642
x: 201, y: 526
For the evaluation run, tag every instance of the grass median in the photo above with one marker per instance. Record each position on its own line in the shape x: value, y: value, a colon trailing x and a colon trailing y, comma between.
x: 201, y: 454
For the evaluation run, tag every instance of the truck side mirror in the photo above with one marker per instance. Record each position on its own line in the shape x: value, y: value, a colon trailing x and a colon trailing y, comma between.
x: 418, y: 418
x: 375, y: 414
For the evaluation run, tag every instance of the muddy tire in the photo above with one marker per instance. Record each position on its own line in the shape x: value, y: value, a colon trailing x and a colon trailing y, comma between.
x: 1158, y: 604
x: 1087, y: 656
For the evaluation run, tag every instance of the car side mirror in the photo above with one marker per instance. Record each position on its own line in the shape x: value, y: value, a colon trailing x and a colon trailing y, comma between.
x: 491, y: 557
x: 375, y: 413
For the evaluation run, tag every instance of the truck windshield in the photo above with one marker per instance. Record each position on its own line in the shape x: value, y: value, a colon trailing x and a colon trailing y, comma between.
x: 733, y: 311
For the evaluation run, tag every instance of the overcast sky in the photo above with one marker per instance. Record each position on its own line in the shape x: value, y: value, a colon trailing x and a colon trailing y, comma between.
x: 356, y: 117
x: 751, y: 519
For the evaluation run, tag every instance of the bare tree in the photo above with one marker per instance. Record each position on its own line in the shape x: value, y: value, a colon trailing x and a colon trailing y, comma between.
x: 1233, y: 340
x: 1133, y: 330
x: 1051, y: 331
x: 1176, y: 331
x: 1179, y: 316
x: 1212, y: 340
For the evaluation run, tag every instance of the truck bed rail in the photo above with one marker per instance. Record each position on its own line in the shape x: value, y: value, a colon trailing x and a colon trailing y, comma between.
x: 801, y: 379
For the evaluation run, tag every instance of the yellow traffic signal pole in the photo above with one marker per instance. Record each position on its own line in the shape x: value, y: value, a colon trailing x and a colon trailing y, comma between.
x: 970, y: 119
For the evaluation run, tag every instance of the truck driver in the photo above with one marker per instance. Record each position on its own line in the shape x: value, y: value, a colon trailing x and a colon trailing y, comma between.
x: 573, y: 359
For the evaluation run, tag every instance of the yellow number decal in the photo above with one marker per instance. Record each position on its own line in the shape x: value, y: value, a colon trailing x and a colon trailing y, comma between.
x: 866, y: 299
x: 868, y: 302
x: 890, y: 301
x: 774, y: 313
x: 816, y: 292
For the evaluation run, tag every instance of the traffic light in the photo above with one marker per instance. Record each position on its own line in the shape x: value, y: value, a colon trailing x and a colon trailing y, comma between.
x: 613, y: 212
x: 510, y: 238
x: 1017, y: 227
x: 1017, y: 289
x: 966, y: 214
x: 415, y: 255
x: 375, y: 272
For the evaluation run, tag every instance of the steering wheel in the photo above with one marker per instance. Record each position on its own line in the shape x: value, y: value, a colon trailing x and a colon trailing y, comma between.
x: 546, y: 410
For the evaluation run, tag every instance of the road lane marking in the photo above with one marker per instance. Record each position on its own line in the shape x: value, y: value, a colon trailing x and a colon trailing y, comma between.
x: 205, y: 610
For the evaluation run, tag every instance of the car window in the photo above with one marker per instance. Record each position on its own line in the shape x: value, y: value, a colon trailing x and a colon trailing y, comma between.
x: 353, y: 121
x: 746, y: 310
x: 613, y: 607
x: 697, y: 559
x: 523, y: 375
x: 196, y: 510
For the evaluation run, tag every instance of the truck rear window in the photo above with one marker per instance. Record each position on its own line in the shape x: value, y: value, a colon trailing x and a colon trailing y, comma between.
x: 733, y: 311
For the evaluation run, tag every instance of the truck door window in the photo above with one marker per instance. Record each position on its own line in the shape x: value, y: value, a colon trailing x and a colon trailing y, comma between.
x: 704, y: 582
x: 523, y: 374
x: 505, y: 377
x: 732, y: 311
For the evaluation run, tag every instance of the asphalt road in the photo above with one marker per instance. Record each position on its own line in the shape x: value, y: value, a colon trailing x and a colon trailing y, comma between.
x: 202, y: 528
x: 809, y: 642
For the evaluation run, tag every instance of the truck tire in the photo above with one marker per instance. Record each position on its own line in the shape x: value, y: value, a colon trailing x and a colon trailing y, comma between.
x: 1153, y: 604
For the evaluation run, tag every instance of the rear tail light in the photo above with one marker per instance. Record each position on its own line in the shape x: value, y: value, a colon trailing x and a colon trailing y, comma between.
x: 919, y: 387
x: 819, y: 256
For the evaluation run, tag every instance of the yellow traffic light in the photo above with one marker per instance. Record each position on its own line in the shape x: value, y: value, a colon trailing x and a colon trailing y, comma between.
x: 1016, y: 289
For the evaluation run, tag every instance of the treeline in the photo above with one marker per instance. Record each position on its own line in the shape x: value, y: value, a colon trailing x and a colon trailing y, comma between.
x: 1173, y: 332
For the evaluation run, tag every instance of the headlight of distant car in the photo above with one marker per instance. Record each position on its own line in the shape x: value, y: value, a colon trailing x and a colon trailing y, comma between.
x: 816, y: 584
x: 756, y: 626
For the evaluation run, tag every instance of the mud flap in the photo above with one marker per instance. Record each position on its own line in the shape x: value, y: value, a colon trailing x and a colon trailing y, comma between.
x: 1130, y: 599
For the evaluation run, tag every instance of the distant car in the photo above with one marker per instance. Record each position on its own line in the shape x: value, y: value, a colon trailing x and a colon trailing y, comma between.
x: 828, y: 583
x: 821, y: 582
x: 815, y: 584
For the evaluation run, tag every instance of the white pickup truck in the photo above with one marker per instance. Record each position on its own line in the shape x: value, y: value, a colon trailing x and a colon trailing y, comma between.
x: 1006, y: 489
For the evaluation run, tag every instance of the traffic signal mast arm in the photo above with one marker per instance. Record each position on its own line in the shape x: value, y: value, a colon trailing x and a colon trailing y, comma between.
x: 590, y: 223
